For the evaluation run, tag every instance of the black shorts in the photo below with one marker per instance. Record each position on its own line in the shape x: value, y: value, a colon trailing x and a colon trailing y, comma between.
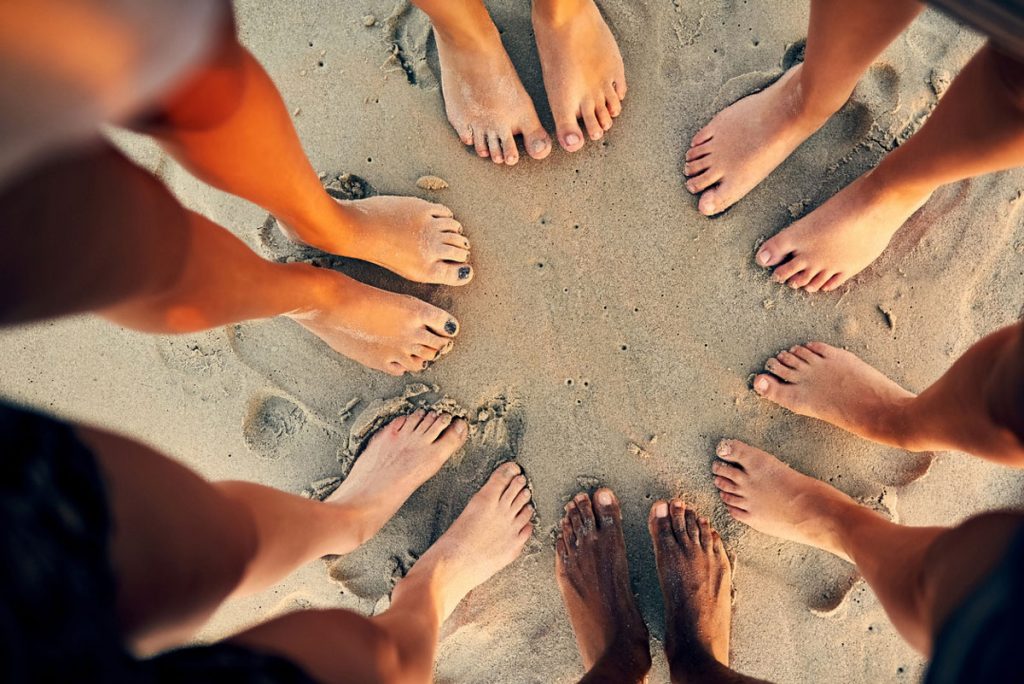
x: 57, y: 588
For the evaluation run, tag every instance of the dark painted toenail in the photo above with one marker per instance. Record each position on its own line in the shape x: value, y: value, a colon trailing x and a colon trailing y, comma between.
x: 450, y: 327
x: 464, y: 272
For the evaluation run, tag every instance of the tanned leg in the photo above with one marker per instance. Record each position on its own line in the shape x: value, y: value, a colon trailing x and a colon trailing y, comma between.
x: 400, y: 644
x: 918, y: 573
x: 175, y: 564
x: 229, y: 126
x: 486, y: 102
x: 142, y: 260
x: 746, y: 141
x: 593, y: 576
x: 977, y: 128
x: 954, y: 413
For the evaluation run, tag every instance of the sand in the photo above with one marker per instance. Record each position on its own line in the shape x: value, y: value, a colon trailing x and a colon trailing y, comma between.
x: 608, y: 337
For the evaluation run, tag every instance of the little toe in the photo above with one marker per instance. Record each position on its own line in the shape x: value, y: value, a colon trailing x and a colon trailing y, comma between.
x: 575, y: 520
x: 394, y: 368
x: 619, y: 84
x: 613, y: 102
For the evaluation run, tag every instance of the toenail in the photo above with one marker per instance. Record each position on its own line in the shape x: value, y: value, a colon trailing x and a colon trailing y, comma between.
x: 464, y: 272
x: 540, y: 145
x: 581, y: 497
x: 660, y: 510
x: 450, y: 327
x: 764, y: 257
x: 572, y: 139
x: 460, y: 427
x: 604, y: 498
x: 677, y: 505
x: 724, y: 449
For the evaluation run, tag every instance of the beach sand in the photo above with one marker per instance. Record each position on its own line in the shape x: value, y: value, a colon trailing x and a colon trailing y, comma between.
x: 609, y: 335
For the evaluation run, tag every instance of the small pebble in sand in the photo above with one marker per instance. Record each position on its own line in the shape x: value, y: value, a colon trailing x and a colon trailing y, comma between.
x: 369, y: 20
x: 302, y: 73
x: 638, y: 450
x: 890, y: 318
x: 298, y: 110
x: 431, y: 183
x: 768, y: 304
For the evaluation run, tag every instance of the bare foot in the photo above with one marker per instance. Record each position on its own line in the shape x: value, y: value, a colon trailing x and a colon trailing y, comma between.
x: 381, y: 330
x: 746, y: 141
x: 696, y: 583
x: 583, y: 72
x: 840, y: 238
x: 765, y: 493
x: 490, y: 534
x: 593, y: 576
x: 484, y: 98
x: 418, y: 240
x: 830, y: 384
x: 403, y: 455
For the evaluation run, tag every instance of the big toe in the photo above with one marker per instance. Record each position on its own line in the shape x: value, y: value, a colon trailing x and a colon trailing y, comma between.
x: 452, y: 273
x: 537, y: 142
x: 606, y: 509
x: 774, y: 251
x: 773, y: 389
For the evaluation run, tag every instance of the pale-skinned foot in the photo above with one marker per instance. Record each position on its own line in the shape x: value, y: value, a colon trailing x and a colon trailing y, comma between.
x: 419, y: 240
x: 765, y: 493
x: 398, y: 459
x: 583, y: 71
x: 593, y: 575
x: 842, y: 237
x: 382, y: 330
x: 747, y: 140
x: 821, y: 381
x: 489, y: 534
x: 484, y: 98
x: 696, y: 584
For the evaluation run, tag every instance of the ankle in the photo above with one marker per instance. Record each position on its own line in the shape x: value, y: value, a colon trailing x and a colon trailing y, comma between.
x: 815, y: 103
x: 471, y: 32
x: 557, y: 12
x: 692, y: 663
x: 888, y: 182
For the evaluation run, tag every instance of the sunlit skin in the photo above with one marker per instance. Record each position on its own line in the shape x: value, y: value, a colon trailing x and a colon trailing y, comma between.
x: 968, y: 409
x: 253, y: 536
x: 484, y: 97
x: 977, y: 128
x: 143, y: 261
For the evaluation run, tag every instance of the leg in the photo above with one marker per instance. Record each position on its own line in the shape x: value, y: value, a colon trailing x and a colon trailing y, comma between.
x: 696, y: 583
x: 593, y: 576
x: 175, y: 564
x: 144, y: 261
x: 977, y: 128
x: 961, y: 411
x: 229, y: 126
x: 583, y: 71
x: 400, y: 644
x: 485, y: 101
x: 918, y: 573
x: 746, y: 141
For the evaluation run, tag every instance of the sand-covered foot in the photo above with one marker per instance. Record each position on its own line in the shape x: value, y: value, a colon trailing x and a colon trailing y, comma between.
x: 484, y: 98
x: 488, y: 535
x: 746, y: 141
x: 382, y: 330
x: 831, y: 384
x: 840, y: 238
x: 419, y: 240
x: 583, y: 72
x: 765, y: 493
x: 696, y: 583
x: 399, y: 458
x: 593, y: 576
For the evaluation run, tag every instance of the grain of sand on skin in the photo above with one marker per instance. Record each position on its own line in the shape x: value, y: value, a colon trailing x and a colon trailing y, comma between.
x: 657, y: 335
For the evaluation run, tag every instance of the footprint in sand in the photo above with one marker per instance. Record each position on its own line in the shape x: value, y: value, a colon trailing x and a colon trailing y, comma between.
x: 407, y: 33
x: 277, y: 427
x: 202, y: 360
